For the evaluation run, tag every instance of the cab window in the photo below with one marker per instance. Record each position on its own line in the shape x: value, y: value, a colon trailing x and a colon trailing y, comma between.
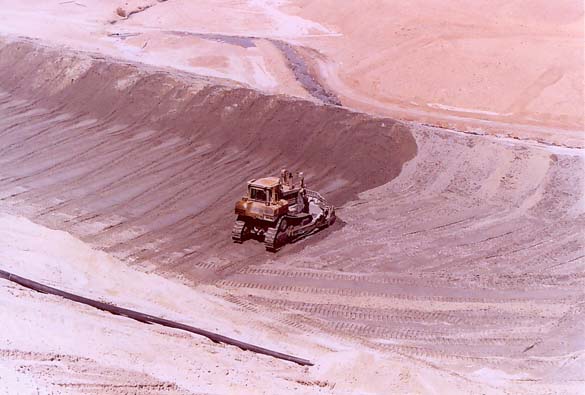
x: 258, y: 194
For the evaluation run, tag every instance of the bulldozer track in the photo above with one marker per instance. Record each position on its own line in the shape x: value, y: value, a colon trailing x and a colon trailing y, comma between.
x: 270, y: 239
x: 237, y: 231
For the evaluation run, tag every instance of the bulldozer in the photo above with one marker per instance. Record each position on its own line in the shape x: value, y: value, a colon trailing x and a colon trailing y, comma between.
x: 279, y: 210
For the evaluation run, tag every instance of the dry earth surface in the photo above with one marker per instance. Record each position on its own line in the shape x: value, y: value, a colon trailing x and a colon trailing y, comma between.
x: 456, y: 266
x: 511, y: 68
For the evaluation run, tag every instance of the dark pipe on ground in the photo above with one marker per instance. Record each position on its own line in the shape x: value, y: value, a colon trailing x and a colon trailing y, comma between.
x: 149, y: 319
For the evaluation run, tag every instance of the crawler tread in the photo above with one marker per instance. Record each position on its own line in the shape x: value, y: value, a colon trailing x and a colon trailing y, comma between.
x: 238, y: 231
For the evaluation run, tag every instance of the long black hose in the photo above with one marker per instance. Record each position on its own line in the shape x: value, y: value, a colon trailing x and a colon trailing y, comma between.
x: 149, y: 319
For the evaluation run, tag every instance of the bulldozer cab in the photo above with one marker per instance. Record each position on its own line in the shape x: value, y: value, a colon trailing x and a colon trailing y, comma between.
x: 265, y: 190
x: 264, y: 195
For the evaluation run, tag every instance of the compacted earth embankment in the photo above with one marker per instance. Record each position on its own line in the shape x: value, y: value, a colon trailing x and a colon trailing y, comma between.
x: 146, y: 156
x: 463, y: 253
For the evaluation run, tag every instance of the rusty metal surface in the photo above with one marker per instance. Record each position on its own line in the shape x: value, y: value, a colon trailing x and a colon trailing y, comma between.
x: 266, y: 182
x: 288, y: 205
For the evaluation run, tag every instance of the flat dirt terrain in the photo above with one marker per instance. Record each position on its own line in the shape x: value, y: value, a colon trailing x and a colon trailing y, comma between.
x: 457, y: 264
x: 512, y: 68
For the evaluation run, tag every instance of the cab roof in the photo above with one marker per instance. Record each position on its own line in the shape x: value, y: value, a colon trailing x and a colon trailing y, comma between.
x: 267, y: 182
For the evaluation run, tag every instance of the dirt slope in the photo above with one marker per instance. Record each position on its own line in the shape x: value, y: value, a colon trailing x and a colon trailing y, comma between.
x: 463, y: 254
x: 192, y: 166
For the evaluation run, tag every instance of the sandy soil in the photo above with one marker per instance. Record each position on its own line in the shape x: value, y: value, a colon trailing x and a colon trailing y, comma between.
x: 456, y: 266
x: 507, y: 68
x: 41, y: 351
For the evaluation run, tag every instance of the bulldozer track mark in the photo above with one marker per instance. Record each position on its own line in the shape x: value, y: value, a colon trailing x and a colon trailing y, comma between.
x: 511, y: 252
x: 124, y: 154
x: 75, y: 138
x: 83, y: 218
x: 158, y: 166
x: 32, y: 106
x: 375, y: 334
x: 301, y: 322
x: 20, y: 120
x: 326, y: 276
x: 141, y: 388
x: 55, y: 167
x: 19, y: 144
x: 13, y: 354
x: 55, y: 116
x: 96, y: 172
x: 395, y: 316
x: 415, y: 336
x: 490, y: 360
x: 88, y: 376
x: 361, y: 293
x: 569, y: 261
x: 203, y: 265
x: 443, y: 226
